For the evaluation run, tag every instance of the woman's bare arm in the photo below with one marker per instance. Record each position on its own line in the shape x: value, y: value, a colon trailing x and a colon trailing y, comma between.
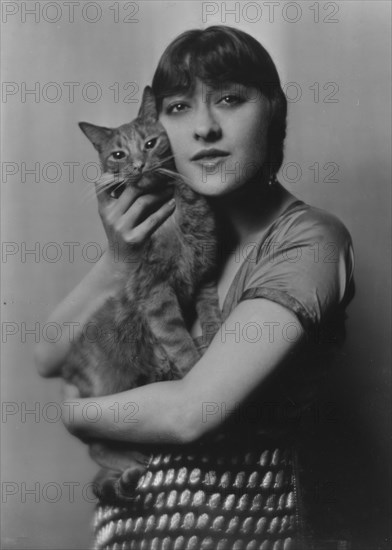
x: 235, y: 364
x: 128, y: 223
x: 75, y: 311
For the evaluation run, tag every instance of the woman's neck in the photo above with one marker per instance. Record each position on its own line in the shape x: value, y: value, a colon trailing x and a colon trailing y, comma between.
x: 249, y: 211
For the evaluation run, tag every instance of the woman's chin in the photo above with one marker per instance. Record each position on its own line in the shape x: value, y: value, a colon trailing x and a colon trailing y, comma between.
x: 214, y: 187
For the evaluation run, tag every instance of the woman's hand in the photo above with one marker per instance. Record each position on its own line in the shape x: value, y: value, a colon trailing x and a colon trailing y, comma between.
x: 131, y: 219
x: 70, y: 396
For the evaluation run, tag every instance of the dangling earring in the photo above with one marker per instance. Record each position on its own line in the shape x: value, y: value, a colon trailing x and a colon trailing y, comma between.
x: 272, y: 181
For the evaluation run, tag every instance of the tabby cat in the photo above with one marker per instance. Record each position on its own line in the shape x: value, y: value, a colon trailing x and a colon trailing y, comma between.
x: 142, y: 335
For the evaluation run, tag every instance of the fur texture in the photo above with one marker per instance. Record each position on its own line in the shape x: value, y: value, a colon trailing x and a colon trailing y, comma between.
x: 140, y: 336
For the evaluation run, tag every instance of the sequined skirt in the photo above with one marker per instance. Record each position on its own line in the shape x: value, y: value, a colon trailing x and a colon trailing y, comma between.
x: 211, y: 498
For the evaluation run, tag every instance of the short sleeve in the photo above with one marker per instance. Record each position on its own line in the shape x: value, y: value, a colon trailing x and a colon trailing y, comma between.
x: 306, y: 264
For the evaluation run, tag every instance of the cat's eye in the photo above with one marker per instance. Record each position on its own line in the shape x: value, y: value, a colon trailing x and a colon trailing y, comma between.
x: 150, y: 143
x: 118, y: 155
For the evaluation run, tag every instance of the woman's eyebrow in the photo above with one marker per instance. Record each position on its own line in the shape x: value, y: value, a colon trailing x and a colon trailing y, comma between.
x: 180, y: 94
x: 226, y: 86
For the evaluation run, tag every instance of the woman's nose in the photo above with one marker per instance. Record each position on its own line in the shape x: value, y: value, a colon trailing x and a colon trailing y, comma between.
x: 206, y: 126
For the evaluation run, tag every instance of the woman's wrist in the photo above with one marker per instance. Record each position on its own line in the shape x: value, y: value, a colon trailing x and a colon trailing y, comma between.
x: 149, y: 414
x: 118, y: 265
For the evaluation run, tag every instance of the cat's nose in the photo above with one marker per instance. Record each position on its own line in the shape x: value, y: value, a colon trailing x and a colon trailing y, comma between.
x: 138, y: 166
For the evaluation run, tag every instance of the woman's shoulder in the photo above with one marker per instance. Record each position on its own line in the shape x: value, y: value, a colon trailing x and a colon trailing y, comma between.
x: 305, y: 263
x: 302, y: 223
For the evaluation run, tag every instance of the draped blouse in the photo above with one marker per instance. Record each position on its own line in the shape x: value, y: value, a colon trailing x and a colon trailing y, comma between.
x: 241, y: 487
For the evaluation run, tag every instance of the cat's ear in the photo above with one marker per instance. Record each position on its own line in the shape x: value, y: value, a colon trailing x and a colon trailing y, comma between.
x: 148, y: 109
x: 98, y: 135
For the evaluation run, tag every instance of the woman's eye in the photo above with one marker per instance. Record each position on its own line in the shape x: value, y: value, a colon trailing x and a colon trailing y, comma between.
x: 176, y: 108
x: 231, y: 99
x: 118, y: 155
x: 150, y: 143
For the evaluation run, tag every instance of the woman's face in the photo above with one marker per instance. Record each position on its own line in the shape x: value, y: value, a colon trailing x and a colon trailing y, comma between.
x: 218, y: 135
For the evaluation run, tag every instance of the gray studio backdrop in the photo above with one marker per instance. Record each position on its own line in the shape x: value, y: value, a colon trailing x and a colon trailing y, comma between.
x: 65, y: 62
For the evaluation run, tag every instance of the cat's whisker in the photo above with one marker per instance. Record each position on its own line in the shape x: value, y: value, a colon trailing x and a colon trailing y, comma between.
x: 89, y: 188
x: 159, y: 163
x: 174, y: 175
x: 167, y: 172
x: 156, y: 170
x: 90, y: 193
x: 165, y: 159
x: 100, y: 186
x: 110, y: 182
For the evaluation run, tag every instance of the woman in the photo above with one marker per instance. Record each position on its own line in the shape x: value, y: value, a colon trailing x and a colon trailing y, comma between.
x: 238, y: 417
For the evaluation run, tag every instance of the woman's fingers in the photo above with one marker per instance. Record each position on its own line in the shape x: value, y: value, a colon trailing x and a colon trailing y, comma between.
x: 132, y: 217
x: 131, y: 197
x: 142, y: 207
x: 125, y: 200
x: 151, y: 224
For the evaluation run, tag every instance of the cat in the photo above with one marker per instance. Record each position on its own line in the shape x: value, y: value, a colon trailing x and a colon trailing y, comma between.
x: 141, y: 333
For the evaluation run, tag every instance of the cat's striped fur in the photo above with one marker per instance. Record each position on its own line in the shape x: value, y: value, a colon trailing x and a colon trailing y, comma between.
x: 141, y: 335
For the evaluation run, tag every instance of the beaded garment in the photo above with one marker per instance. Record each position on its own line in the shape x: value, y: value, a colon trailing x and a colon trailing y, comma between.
x: 207, y: 497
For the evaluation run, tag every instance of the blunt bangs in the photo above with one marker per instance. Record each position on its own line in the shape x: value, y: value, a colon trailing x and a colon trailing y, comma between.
x: 215, y: 55
x: 218, y: 55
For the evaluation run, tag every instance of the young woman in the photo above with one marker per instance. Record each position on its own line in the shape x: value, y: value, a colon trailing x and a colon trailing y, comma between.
x: 238, y: 417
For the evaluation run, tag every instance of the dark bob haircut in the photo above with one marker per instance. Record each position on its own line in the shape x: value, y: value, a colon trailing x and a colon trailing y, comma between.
x: 222, y: 54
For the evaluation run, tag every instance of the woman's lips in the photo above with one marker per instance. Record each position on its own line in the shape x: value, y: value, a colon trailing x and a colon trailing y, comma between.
x: 209, y: 155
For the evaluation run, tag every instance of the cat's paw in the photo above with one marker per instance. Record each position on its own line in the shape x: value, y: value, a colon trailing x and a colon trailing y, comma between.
x: 104, y: 485
x: 130, y: 478
x: 111, y: 486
